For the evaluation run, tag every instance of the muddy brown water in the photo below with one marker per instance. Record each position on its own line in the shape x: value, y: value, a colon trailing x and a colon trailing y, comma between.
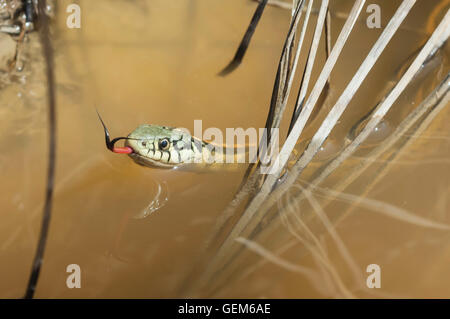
x: 157, y: 62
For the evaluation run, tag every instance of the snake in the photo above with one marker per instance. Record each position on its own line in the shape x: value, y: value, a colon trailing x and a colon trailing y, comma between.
x: 165, y: 147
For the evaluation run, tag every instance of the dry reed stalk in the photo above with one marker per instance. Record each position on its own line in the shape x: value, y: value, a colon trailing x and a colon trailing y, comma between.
x: 433, y: 104
x: 227, y: 246
x: 311, y: 56
x: 269, y: 193
x: 291, y: 140
x: 436, y: 100
x: 277, y: 106
x: 438, y: 37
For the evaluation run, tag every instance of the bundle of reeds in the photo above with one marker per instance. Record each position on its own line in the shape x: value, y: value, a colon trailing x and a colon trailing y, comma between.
x: 266, y: 205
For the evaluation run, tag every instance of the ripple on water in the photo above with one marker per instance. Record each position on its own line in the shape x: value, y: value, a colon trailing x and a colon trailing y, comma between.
x: 158, y: 201
x: 378, y: 134
x: 329, y: 149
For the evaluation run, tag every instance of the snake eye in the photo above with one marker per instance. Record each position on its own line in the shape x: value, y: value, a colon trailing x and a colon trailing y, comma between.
x: 163, y: 144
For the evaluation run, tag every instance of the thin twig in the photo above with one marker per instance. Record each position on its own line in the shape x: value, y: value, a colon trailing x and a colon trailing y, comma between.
x: 310, y: 62
x: 48, y: 54
x: 275, y: 259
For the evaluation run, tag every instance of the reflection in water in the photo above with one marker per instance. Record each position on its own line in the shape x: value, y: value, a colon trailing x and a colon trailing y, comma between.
x: 329, y: 149
x: 379, y: 133
x: 429, y: 76
x: 158, y: 201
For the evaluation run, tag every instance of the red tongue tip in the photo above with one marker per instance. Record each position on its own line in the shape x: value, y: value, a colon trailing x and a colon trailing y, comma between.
x: 123, y: 150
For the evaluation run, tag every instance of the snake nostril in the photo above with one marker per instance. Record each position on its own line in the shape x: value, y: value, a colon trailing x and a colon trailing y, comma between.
x: 144, y: 143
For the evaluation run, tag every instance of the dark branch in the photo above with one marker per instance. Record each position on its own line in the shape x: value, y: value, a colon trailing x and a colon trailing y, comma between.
x: 48, y: 54
x: 245, y: 40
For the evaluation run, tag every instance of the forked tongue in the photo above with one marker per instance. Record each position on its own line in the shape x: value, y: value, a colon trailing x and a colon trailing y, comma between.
x: 110, y: 143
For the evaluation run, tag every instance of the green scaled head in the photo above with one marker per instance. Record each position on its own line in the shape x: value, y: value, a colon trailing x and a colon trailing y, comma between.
x: 160, y: 146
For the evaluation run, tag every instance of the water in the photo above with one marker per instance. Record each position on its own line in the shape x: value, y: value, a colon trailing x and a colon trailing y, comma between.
x: 156, y: 62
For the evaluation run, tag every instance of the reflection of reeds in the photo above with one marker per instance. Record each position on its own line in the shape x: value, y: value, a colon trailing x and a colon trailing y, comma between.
x: 259, y: 193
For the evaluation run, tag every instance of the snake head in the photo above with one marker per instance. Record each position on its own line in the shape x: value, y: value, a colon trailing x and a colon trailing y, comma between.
x: 159, y: 146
